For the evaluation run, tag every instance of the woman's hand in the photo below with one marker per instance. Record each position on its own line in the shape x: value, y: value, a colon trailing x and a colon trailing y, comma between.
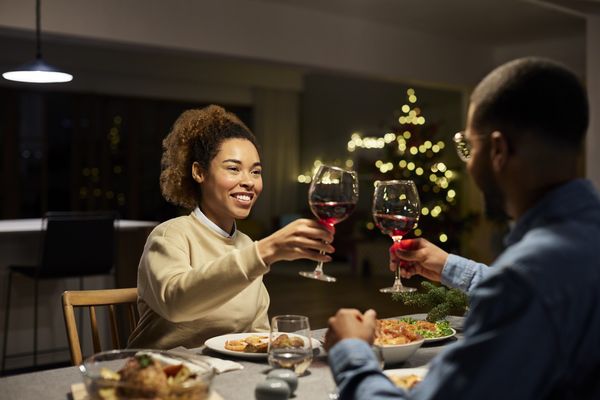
x: 302, y: 238
x: 418, y: 256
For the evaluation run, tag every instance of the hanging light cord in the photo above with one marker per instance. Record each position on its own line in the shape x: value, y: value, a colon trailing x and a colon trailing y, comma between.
x: 38, y: 30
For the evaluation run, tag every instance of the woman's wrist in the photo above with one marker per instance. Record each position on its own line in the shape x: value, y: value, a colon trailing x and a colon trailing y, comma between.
x: 266, y: 250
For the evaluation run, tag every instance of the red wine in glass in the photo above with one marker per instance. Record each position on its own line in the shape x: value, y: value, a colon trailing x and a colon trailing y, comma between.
x: 396, y: 210
x: 332, y: 196
x: 394, y: 225
x: 332, y: 212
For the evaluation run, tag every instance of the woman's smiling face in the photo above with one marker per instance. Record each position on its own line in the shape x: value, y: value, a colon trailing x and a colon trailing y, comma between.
x: 232, y: 184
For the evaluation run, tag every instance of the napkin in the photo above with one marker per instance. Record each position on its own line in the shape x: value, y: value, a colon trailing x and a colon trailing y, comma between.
x: 218, y: 364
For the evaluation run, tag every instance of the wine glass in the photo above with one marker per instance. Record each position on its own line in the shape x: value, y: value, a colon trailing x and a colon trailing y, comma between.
x: 396, y: 210
x: 290, y: 345
x: 332, y: 197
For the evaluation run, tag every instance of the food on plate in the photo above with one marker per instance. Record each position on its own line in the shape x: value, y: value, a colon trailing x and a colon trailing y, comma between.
x: 406, y: 381
x: 249, y: 344
x: 143, y: 376
x: 429, y: 330
x: 406, y: 330
x: 394, y: 332
x: 235, y: 345
x: 285, y: 340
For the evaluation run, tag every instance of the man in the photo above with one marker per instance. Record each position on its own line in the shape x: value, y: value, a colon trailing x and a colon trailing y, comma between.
x: 533, y: 330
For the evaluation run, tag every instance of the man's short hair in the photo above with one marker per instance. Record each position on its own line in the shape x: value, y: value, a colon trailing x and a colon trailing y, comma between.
x: 532, y: 96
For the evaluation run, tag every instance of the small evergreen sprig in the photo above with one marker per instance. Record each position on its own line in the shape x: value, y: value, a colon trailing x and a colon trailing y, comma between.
x: 440, y: 300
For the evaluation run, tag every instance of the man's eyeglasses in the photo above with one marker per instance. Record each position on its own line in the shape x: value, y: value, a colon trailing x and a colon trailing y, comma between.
x: 463, y: 146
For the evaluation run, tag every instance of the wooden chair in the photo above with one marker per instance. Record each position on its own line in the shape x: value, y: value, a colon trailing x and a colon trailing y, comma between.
x: 91, y: 299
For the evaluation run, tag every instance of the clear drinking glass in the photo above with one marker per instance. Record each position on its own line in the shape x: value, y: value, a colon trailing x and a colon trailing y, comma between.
x: 332, y: 197
x: 396, y: 210
x: 290, y: 345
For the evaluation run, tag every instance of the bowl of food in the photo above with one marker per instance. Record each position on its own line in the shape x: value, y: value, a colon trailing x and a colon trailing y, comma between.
x: 397, y: 343
x: 397, y: 353
x: 146, y: 374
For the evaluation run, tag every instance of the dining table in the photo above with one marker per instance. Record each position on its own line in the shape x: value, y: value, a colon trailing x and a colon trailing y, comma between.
x: 316, y: 384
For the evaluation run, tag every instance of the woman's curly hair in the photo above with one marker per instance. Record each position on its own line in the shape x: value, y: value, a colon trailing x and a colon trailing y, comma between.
x: 196, y: 136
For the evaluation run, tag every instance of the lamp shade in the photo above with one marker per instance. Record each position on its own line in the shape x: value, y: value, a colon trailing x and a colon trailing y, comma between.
x: 37, y: 72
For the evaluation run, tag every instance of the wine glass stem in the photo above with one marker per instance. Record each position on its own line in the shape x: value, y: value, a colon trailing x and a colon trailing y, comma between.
x: 319, y: 267
x: 397, y: 282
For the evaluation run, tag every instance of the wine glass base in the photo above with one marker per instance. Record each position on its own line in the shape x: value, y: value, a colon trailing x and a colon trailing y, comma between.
x: 397, y: 289
x: 318, y: 276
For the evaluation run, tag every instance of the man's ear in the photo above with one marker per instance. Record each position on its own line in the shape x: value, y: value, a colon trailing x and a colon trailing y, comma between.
x: 197, y: 172
x: 499, y: 150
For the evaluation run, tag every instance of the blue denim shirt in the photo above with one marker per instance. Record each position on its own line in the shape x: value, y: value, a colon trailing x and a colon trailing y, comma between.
x: 533, y: 331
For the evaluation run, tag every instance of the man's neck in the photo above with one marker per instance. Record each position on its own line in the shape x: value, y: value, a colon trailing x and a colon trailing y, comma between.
x: 523, y: 199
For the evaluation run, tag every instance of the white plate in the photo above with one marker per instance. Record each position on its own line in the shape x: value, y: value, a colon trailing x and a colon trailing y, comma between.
x: 217, y: 344
x: 439, y: 339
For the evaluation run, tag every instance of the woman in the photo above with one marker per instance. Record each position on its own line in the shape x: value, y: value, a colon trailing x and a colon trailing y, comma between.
x: 199, y: 276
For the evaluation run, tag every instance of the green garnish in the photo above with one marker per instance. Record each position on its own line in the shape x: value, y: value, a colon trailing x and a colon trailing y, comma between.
x: 144, y: 360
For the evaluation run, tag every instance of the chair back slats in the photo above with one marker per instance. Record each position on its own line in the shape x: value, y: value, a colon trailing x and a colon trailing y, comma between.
x: 114, y: 330
x: 93, y: 299
x: 94, y: 328
x: 78, y: 244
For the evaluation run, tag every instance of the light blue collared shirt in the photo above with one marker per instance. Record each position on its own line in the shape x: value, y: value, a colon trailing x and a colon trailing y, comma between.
x: 214, y: 226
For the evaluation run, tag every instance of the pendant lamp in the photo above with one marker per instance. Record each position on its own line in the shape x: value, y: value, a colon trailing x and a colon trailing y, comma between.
x: 37, y: 71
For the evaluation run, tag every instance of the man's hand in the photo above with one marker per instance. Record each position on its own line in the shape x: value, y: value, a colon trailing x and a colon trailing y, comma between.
x: 418, y: 256
x: 351, y: 324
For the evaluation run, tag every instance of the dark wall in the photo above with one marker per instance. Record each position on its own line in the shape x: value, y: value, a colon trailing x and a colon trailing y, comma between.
x: 84, y: 151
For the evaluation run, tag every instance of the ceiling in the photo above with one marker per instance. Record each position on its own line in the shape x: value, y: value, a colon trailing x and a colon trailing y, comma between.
x: 487, y: 22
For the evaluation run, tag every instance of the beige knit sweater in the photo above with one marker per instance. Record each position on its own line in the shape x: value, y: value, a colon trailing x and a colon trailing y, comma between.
x: 194, y: 284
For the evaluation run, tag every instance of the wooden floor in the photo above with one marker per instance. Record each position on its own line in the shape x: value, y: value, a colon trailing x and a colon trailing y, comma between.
x: 292, y: 294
